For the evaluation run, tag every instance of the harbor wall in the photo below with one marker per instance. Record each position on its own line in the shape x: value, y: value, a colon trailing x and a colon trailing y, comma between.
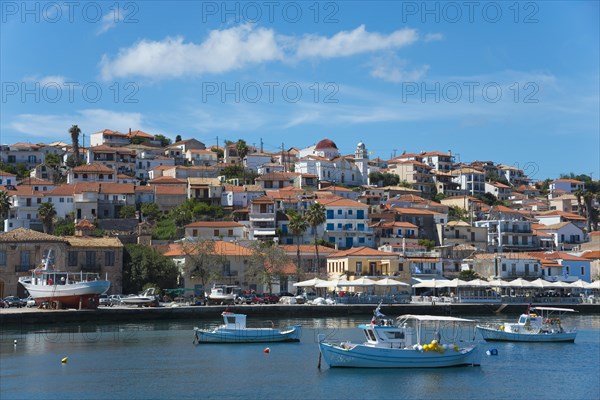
x: 126, y: 314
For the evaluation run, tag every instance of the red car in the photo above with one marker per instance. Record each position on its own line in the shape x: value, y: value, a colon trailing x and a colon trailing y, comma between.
x: 270, y: 298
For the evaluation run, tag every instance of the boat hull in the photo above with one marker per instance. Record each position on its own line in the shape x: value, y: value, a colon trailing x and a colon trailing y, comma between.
x: 248, y: 335
x: 69, y: 295
x: 496, y: 335
x: 364, y: 356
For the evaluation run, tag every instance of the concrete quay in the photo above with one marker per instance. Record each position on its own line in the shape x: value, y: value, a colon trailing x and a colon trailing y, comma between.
x: 25, y: 316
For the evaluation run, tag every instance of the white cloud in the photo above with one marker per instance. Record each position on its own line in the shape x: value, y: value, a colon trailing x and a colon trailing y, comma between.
x: 348, y: 43
x: 222, y: 51
x: 432, y: 37
x: 90, y: 121
x: 45, y: 80
x: 238, y: 47
x: 393, y: 69
x: 110, y: 20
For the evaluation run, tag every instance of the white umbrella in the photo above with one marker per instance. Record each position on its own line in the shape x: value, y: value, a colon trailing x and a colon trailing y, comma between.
x: 431, y: 283
x: 520, y: 283
x: 390, y: 282
x: 310, y: 282
x: 580, y: 284
x: 558, y: 285
x: 594, y: 285
x: 541, y: 283
x: 497, y: 283
x: 454, y: 283
x: 337, y: 282
x: 476, y: 283
x: 361, y: 282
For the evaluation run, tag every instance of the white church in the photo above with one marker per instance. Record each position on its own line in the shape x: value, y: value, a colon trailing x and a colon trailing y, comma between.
x: 324, y: 161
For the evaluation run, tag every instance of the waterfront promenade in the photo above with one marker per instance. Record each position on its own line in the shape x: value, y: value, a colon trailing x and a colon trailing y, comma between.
x: 131, y: 314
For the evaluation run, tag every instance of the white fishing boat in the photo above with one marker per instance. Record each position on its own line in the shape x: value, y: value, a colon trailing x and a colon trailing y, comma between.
x: 60, y: 289
x: 222, y: 295
x: 537, y: 324
x: 234, y: 330
x: 401, y: 344
x: 148, y: 297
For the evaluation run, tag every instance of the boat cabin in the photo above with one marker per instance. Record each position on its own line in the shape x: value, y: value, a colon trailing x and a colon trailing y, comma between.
x: 234, y: 321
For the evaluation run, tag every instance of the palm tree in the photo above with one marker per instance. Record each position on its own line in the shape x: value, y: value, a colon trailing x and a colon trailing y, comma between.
x: 47, y: 212
x: 75, y: 131
x: 242, y: 148
x: 298, y: 225
x: 315, y: 217
x: 4, y: 204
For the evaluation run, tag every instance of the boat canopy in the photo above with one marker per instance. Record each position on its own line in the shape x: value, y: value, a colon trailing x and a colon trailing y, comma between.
x: 433, y: 318
x: 553, y: 309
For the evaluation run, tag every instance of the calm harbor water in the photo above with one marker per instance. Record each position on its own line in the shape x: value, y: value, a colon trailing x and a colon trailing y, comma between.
x: 158, y: 360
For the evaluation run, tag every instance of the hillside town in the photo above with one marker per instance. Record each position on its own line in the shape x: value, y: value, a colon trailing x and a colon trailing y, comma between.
x: 236, y: 214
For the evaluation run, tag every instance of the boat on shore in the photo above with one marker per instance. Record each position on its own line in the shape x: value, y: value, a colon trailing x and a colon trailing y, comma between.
x: 57, y: 289
x: 537, y: 324
x: 401, y: 344
x: 234, y: 330
x: 148, y: 297
x: 223, y: 295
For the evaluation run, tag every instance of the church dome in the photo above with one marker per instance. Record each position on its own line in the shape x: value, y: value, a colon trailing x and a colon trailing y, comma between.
x: 325, y: 144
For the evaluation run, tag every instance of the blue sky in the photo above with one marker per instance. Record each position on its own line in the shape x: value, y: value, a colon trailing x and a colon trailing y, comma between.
x: 516, y: 83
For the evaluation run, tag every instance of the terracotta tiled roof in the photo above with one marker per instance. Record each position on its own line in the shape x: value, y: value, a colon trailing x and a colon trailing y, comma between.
x: 28, y: 235
x: 591, y: 255
x: 170, y: 190
x: 167, y: 180
x: 97, y: 168
x: 508, y: 256
x: 562, y: 214
x: 221, y: 248
x: 277, y: 176
x: 84, y: 223
x: 117, y: 188
x: 263, y: 200
x: 87, y: 241
x: 556, y: 255
x: 35, y: 181
x: 341, y: 202
x: 414, y: 211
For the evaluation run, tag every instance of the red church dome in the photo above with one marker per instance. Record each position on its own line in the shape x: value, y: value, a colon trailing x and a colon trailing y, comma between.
x: 325, y: 144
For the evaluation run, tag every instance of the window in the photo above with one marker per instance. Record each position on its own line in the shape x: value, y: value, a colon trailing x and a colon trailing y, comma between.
x: 361, y: 240
x: 2, y: 258
x: 195, y: 232
x: 582, y: 271
x: 360, y: 214
x: 230, y: 231
x: 90, y: 258
x: 503, y: 267
x: 109, y: 258
x: 25, y: 260
x: 339, y: 212
x: 73, y: 255
x: 535, y: 268
x: 38, y: 200
x: 349, y: 212
x: 359, y: 267
x: 329, y: 214
x: 329, y: 227
x: 216, y: 232
x: 400, y: 267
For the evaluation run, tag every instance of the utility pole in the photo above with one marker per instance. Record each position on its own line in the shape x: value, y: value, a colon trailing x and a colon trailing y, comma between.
x: 395, y: 152
x: 261, y: 145
x: 283, y: 158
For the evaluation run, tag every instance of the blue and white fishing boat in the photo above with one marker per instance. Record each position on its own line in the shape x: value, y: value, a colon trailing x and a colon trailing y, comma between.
x: 537, y: 324
x: 401, y: 344
x: 234, y: 330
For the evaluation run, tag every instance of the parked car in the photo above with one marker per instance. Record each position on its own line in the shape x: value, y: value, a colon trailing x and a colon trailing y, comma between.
x: 270, y: 298
x: 14, y: 301
x: 104, y: 300
x: 30, y: 302
x: 115, y: 299
x: 250, y: 299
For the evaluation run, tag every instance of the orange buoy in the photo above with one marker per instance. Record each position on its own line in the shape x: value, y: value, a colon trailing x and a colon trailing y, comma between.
x: 267, y: 350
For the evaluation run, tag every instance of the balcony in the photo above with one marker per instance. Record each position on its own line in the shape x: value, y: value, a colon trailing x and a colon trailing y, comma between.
x: 263, y: 231
x: 260, y: 217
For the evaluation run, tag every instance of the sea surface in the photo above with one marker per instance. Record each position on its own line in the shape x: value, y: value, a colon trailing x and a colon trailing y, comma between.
x: 157, y: 360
